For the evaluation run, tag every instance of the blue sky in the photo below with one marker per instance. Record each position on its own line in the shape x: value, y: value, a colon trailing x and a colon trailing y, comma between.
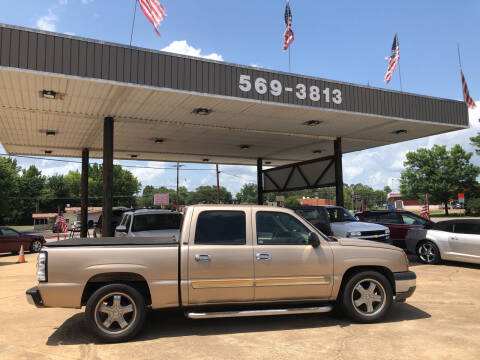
x: 340, y: 40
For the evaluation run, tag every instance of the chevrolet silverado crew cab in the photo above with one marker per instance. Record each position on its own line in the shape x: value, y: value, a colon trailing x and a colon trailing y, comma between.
x: 230, y: 260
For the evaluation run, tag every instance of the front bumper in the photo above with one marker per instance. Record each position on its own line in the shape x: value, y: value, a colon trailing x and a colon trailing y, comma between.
x: 34, y: 298
x: 405, y: 285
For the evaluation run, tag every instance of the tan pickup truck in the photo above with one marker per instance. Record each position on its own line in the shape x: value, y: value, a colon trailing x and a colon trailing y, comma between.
x: 230, y: 261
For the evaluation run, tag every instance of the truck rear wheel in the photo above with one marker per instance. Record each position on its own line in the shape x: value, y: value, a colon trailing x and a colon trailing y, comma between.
x: 367, y: 297
x: 116, y: 312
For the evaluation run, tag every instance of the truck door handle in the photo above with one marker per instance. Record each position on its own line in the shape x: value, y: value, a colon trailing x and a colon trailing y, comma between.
x: 203, y: 257
x: 453, y: 238
x: 264, y: 256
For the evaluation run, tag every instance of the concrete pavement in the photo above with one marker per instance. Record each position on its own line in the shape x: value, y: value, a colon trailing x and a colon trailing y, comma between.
x: 441, y: 321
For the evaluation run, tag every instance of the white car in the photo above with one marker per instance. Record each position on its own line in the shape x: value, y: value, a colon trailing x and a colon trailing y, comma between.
x: 457, y: 240
x: 150, y: 223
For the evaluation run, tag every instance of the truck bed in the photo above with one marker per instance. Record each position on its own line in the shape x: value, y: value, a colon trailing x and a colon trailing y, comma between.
x: 114, y: 241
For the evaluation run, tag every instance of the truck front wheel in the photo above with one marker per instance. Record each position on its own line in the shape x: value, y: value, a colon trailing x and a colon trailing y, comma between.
x: 367, y: 296
x: 116, y: 312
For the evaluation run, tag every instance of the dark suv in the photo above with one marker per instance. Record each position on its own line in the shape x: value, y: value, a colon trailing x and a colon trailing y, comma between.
x: 315, y: 216
x: 398, y: 221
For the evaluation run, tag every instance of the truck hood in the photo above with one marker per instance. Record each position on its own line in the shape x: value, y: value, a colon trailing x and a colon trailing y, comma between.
x: 365, y: 243
x: 359, y: 226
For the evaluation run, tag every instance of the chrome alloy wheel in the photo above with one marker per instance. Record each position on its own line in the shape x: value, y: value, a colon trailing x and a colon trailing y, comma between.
x: 427, y: 252
x: 36, y: 245
x: 115, y: 313
x: 368, y: 297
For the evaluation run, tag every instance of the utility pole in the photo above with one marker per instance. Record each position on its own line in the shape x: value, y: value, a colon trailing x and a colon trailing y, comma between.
x: 178, y: 166
x: 218, y: 185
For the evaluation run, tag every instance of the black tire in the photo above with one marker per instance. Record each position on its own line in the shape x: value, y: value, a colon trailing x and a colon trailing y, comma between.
x: 351, y: 297
x: 104, y: 298
x: 36, y: 246
x: 428, y: 253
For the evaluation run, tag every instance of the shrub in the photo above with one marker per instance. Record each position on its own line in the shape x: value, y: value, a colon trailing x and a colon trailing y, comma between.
x: 473, y: 207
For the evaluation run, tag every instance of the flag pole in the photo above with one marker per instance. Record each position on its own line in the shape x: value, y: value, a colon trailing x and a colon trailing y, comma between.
x: 399, y: 71
x: 459, y: 58
x: 133, y: 22
x: 289, y: 61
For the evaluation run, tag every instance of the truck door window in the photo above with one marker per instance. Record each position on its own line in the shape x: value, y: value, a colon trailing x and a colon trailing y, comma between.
x: 275, y: 228
x: 221, y: 228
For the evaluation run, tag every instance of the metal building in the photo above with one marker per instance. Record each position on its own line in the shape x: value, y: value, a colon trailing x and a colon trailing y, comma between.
x: 73, y: 97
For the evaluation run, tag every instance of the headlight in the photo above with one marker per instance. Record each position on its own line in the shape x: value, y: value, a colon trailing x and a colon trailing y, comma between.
x: 42, y: 266
x: 354, y: 234
x: 387, y: 231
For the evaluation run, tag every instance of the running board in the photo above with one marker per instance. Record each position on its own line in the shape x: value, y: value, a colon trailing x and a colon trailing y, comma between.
x: 288, y: 311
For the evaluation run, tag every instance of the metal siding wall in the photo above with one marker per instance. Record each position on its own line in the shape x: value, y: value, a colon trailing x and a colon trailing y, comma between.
x: 79, y: 57
x: 14, y: 48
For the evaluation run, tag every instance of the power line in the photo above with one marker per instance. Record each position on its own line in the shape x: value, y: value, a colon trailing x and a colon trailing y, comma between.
x: 79, y: 162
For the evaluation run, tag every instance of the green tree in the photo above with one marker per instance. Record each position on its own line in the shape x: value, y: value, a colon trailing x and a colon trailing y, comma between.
x: 30, y: 188
x: 476, y: 142
x: 247, y: 194
x: 387, y: 189
x: 291, y: 201
x: 439, y: 172
x: 208, y: 195
x: 149, y: 191
x: 9, y: 179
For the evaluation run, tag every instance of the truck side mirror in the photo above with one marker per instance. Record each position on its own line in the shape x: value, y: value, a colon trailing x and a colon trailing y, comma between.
x: 313, y: 240
x: 121, y: 229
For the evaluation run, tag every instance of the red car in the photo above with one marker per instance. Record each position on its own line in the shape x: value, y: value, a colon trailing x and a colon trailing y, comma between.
x: 11, y: 240
x: 398, y: 221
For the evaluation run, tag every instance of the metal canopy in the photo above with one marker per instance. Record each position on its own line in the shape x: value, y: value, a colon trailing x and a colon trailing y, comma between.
x: 152, y: 96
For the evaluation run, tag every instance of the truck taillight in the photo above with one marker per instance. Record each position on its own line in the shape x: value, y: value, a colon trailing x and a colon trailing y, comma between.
x: 42, y: 266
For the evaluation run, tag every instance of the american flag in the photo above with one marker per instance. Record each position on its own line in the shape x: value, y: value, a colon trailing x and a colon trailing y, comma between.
x: 288, y: 35
x: 61, y: 223
x: 392, y: 59
x: 466, y: 94
x: 425, y: 212
x: 154, y: 11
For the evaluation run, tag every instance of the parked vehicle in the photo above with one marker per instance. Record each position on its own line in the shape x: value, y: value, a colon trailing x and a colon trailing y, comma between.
x: 317, y: 216
x: 116, y: 218
x: 11, y: 240
x: 230, y: 261
x: 398, y: 221
x: 150, y: 223
x: 341, y: 223
x: 457, y: 240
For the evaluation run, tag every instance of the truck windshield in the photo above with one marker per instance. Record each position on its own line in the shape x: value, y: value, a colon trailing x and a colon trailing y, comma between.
x: 148, y: 222
x: 339, y: 214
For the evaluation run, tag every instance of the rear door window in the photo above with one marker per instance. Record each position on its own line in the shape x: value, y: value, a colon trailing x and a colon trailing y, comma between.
x: 413, y: 220
x: 467, y: 228
x: 150, y: 222
x: 389, y: 218
x: 221, y: 228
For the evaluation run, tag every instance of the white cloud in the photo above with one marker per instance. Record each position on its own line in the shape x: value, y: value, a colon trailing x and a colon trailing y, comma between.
x: 59, y: 170
x: 149, y: 176
x: 69, y: 33
x: 47, y: 22
x: 182, y: 47
x: 380, y: 165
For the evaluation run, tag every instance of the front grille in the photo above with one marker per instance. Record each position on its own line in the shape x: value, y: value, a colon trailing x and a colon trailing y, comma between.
x: 373, y: 233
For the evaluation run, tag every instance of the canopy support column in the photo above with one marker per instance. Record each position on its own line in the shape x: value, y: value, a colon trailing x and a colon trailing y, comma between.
x: 84, y: 195
x: 107, y: 177
x: 259, y: 182
x: 337, y: 148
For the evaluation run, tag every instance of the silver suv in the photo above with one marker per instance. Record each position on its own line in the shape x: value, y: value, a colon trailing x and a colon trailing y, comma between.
x: 150, y: 223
